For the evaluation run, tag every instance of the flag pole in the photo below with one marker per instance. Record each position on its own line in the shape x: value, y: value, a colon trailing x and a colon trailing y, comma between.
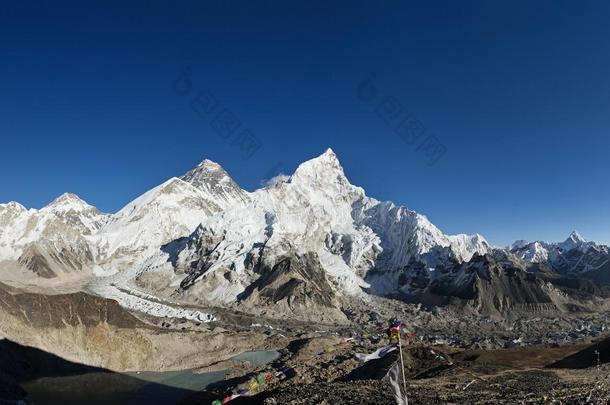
x: 402, y: 364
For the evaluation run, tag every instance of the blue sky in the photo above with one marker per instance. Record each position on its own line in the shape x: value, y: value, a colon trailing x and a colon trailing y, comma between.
x: 516, y: 93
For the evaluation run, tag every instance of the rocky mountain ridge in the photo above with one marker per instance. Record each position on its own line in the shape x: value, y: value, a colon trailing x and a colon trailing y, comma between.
x: 573, y: 257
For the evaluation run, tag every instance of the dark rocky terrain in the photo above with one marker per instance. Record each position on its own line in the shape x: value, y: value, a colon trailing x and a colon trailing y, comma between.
x: 505, y: 376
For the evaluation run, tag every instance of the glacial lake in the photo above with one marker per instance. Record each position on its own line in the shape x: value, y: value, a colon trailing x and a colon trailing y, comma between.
x: 97, y: 388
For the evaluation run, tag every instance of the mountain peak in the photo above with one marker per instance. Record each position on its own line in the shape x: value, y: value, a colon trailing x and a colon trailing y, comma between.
x: 207, y: 174
x: 328, y: 156
x: 326, y: 165
x: 68, y: 202
x: 209, y: 165
x: 13, y: 205
x: 213, y: 180
x: 329, y: 153
x: 574, y: 241
x: 67, y: 197
x: 576, y: 237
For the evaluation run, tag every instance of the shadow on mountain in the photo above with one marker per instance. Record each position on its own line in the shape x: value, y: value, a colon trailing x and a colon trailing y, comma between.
x: 587, y: 357
x: 44, y: 378
x: 600, y: 275
x: 25, y: 363
x: 581, y: 288
x: 173, y: 248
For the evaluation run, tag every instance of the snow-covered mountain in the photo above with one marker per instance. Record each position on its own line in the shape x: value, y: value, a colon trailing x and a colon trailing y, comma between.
x: 297, y: 246
x: 574, y: 256
x: 54, y: 240
x: 167, y: 212
x: 215, y: 184
x: 314, y: 219
x: 316, y: 210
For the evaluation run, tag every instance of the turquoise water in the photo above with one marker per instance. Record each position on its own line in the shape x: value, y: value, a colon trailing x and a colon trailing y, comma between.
x: 97, y: 388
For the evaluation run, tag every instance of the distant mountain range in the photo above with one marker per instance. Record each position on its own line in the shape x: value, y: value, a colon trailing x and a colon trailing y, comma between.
x: 301, y: 245
x: 574, y: 256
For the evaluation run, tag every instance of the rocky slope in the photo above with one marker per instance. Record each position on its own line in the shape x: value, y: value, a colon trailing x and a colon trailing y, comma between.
x: 97, y: 331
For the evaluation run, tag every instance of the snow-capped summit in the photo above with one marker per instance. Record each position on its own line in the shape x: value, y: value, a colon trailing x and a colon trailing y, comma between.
x: 324, y: 170
x: 211, y: 179
x: 327, y: 159
x: 75, y: 211
x: 574, y: 241
x: 535, y: 252
x: 52, y: 240
x: 13, y: 205
x: 210, y: 164
x: 68, y: 202
x: 467, y: 245
x: 575, y: 236
x: 10, y: 209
